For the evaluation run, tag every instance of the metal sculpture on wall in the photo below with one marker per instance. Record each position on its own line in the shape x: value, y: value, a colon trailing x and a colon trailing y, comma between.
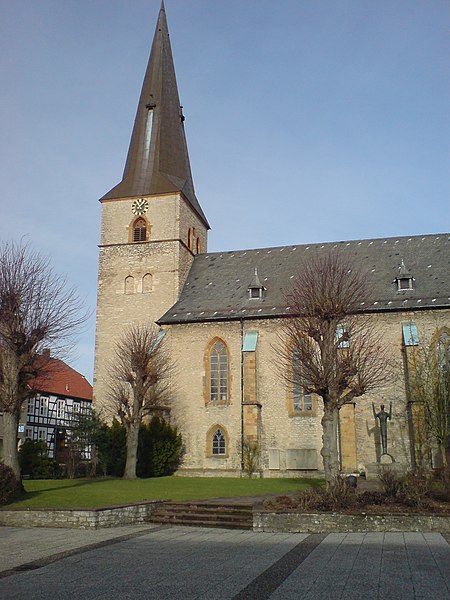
x: 383, y: 417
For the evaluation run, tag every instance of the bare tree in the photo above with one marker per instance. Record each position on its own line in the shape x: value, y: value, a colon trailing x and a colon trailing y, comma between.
x: 328, y: 346
x: 139, y: 383
x: 429, y: 384
x: 38, y: 312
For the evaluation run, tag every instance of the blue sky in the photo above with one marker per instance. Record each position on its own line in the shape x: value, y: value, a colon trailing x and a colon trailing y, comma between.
x: 307, y: 120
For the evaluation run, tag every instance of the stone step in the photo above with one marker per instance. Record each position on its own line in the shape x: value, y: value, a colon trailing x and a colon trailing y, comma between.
x: 206, y: 508
x: 180, y: 520
x: 192, y: 516
x: 237, y: 516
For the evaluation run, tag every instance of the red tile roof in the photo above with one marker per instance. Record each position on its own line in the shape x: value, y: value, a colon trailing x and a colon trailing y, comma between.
x: 61, y: 380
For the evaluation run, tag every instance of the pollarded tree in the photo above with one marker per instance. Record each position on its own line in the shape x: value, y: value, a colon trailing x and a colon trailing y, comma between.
x: 429, y: 384
x: 38, y: 312
x: 328, y: 346
x: 139, y: 383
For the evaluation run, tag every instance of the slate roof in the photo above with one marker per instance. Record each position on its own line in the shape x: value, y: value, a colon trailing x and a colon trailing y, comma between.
x: 217, y: 285
x: 158, y: 158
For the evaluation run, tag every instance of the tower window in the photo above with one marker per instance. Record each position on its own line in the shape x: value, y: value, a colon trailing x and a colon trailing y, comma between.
x: 191, y: 235
x: 140, y: 230
x: 199, y: 246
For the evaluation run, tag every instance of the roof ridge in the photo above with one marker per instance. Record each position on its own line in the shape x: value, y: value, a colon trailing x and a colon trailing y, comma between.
x: 302, y: 245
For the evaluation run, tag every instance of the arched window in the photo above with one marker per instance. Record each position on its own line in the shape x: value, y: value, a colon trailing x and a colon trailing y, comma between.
x: 218, y: 372
x: 199, y: 246
x: 217, y: 442
x: 219, y: 446
x: 147, y: 283
x: 129, y: 285
x: 139, y: 230
x: 301, y: 402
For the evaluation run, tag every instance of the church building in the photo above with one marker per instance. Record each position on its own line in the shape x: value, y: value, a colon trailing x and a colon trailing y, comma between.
x: 221, y: 311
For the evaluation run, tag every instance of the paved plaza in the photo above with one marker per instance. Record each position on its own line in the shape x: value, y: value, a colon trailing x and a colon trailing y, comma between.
x: 154, y: 562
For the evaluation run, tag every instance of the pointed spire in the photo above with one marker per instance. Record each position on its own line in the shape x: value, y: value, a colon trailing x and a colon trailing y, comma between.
x: 255, y: 282
x: 256, y: 288
x: 158, y: 159
x: 403, y: 271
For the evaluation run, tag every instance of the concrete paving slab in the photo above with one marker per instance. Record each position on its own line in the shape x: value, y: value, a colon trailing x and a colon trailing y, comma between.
x: 191, y: 563
x: 24, y: 545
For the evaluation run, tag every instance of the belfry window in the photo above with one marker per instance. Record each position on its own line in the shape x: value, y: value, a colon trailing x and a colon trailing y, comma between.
x: 218, y: 373
x: 218, y: 443
x: 139, y: 230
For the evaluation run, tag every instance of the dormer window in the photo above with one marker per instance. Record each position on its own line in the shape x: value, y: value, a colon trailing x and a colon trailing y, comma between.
x: 405, y: 283
x: 404, y: 279
x: 256, y: 289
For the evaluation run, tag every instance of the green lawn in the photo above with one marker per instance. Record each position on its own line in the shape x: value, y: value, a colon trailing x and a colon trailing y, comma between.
x: 90, y: 493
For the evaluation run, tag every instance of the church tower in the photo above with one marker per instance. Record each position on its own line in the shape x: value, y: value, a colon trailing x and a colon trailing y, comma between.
x: 152, y: 223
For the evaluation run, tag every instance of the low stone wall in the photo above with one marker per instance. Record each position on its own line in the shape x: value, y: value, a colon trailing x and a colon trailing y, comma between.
x: 336, y: 522
x: 262, y: 521
x: 78, y: 518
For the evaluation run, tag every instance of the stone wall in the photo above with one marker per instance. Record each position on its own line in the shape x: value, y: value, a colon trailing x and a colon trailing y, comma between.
x: 335, y: 522
x: 164, y: 256
x: 78, y: 518
x: 282, y: 432
x: 262, y: 521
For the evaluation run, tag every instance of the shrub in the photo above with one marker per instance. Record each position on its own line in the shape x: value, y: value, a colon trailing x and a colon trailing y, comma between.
x: 251, y: 458
x: 390, y: 481
x: 9, y: 486
x: 160, y: 449
x: 282, y: 503
x: 415, y: 489
x: 91, y: 432
x: 372, y: 497
x: 34, y: 460
x: 338, y: 496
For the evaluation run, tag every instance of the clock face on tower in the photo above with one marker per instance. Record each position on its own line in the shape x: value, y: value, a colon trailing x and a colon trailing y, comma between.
x: 139, y: 207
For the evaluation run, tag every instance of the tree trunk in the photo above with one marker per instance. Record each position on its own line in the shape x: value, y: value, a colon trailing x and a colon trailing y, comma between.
x: 10, y: 454
x: 132, y: 446
x: 330, y: 444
